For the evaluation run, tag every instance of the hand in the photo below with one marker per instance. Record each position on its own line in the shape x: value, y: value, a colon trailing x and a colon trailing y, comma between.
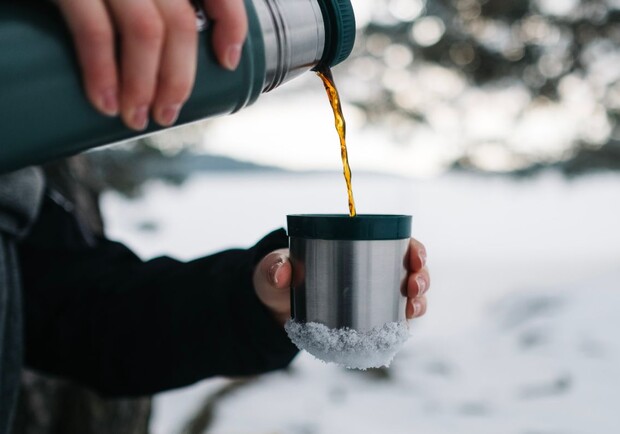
x: 272, y: 281
x: 157, y: 42
x: 418, y: 279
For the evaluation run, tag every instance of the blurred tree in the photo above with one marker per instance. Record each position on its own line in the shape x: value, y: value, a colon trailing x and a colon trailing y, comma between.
x: 555, y: 59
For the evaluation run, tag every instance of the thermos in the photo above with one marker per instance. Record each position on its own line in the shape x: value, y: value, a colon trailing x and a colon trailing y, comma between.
x: 44, y: 113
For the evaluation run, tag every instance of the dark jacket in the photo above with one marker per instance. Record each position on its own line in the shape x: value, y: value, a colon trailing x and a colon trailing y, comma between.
x: 97, y: 314
x: 20, y: 198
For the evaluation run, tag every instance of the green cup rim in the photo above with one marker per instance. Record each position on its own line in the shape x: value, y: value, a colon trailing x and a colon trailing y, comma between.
x: 343, y: 227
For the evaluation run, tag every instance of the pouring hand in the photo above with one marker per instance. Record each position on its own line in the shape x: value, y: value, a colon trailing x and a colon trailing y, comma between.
x: 157, y: 41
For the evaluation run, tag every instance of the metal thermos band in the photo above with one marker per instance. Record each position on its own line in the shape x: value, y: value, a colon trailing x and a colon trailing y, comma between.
x: 294, y: 38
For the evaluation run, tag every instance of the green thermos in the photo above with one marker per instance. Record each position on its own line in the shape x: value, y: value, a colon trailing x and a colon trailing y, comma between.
x: 44, y: 113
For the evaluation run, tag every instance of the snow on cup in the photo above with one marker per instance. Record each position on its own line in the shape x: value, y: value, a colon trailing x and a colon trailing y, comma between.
x: 347, y: 295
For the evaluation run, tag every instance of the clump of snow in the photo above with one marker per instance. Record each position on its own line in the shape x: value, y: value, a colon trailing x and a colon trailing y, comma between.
x: 348, y: 347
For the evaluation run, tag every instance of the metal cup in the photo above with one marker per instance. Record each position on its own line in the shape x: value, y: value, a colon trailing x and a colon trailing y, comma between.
x: 349, y: 271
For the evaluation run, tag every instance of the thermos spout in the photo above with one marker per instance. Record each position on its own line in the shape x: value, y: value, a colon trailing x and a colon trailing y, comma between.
x: 303, y: 34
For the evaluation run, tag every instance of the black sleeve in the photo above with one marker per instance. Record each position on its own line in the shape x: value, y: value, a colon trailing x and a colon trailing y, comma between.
x: 95, y: 313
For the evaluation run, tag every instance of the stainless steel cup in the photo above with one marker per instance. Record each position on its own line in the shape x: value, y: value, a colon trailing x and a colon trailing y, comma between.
x: 349, y: 271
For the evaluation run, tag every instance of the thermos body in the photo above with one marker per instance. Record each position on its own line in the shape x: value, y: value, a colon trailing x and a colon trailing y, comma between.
x: 44, y: 113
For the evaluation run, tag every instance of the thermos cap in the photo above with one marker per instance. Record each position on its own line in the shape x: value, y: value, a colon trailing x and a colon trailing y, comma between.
x: 339, y: 31
x: 343, y: 227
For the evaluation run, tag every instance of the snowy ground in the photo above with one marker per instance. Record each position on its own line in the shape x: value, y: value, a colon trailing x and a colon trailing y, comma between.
x: 522, y: 334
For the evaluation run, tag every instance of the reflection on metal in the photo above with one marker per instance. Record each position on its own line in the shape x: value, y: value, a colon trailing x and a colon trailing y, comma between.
x: 343, y: 283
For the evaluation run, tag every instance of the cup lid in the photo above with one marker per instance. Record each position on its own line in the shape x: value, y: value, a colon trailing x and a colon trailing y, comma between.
x: 343, y: 227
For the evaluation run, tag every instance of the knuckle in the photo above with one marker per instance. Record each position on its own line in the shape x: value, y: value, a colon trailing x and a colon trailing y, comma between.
x: 148, y: 29
x: 424, y: 308
x: 96, y: 80
x: 95, y: 36
x: 176, y: 89
x: 134, y: 93
x: 427, y: 276
x: 182, y: 21
x: 242, y: 27
x: 242, y: 31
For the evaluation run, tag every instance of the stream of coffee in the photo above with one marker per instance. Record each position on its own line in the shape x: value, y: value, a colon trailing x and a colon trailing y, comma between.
x: 341, y: 127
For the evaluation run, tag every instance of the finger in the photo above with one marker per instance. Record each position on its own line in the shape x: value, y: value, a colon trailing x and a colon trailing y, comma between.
x: 409, y: 310
x: 419, y: 307
x: 418, y: 283
x: 229, y: 30
x: 91, y: 27
x: 178, y: 62
x: 281, y: 275
x: 277, y: 270
x: 142, y: 34
x: 416, y: 256
x: 272, y: 279
x: 416, y: 307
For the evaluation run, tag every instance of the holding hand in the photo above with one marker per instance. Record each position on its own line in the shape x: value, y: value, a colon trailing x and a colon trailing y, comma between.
x: 273, y: 275
x: 151, y: 67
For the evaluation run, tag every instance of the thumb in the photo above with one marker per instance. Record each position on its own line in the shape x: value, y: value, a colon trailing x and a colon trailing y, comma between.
x: 272, y: 281
x: 275, y: 270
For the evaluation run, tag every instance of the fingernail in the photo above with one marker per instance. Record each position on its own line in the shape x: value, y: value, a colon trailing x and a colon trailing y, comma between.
x: 140, y: 118
x: 417, y: 308
x: 273, y: 272
x: 109, y: 102
x: 170, y: 114
x: 422, y: 254
x: 421, y: 285
x: 233, y: 56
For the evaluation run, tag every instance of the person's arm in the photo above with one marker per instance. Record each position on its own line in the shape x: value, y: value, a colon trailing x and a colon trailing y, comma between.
x: 96, y: 313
